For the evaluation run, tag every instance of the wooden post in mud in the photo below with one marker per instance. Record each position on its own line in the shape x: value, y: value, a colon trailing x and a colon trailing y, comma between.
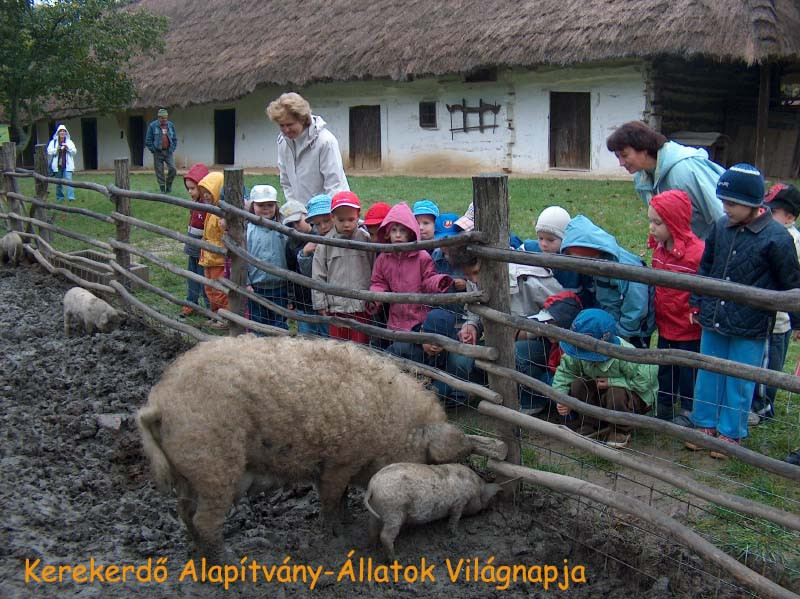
x: 490, y: 199
x: 10, y: 184
x: 122, y: 179
x: 41, y: 167
x: 234, y: 182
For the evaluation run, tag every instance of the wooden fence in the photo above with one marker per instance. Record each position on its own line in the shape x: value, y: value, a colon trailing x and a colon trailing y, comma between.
x: 499, y: 400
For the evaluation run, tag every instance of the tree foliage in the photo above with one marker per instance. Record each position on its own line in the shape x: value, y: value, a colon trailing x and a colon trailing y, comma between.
x: 70, y: 54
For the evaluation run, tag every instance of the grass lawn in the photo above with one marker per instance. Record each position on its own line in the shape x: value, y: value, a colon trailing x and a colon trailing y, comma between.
x: 611, y: 204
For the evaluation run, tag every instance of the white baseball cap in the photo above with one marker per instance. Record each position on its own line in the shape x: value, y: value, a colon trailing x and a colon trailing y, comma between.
x: 263, y: 193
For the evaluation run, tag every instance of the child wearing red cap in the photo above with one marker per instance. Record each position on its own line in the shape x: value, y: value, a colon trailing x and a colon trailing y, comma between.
x: 374, y: 217
x: 195, y: 230
x: 343, y: 267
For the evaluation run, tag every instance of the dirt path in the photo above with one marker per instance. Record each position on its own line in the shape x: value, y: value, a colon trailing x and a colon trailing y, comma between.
x: 74, y: 487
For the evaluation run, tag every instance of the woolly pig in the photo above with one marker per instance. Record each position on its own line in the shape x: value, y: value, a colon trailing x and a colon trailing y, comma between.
x: 416, y: 494
x: 242, y: 411
x: 94, y: 314
x: 11, y: 244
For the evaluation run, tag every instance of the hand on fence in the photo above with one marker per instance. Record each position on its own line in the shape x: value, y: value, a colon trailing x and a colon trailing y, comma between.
x: 459, y: 284
x: 372, y: 308
x: 563, y: 409
x: 468, y: 334
x: 309, y: 248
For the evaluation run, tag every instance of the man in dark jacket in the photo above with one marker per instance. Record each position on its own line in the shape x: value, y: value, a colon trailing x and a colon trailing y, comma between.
x: 162, y: 140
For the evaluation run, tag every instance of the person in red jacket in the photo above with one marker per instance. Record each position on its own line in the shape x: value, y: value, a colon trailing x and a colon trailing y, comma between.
x: 677, y: 249
x: 195, y: 290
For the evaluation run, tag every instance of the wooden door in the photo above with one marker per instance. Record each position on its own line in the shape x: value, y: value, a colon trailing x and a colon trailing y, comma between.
x: 136, y: 139
x: 570, y: 137
x: 224, y: 136
x: 365, y: 137
x: 89, y: 144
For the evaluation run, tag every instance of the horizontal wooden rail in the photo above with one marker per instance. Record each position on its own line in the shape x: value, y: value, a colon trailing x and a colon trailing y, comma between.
x: 432, y: 299
x: 454, y: 240
x: 143, y: 224
x: 61, y: 207
x: 676, y: 357
x: 27, y: 174
x: 165, y: 199
x: 645, y: 466
x: 747, y: 456
x: 71, y: 277
x: 59, y: 230
x: 465, y: 349
x: 253, y: 326
x: 70, y: 257
x: 764, y: 299
x: 674, y: 529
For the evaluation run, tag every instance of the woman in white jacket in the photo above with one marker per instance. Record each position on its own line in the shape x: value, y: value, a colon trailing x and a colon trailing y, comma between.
x: 61, y: 151
x: 309, y: 160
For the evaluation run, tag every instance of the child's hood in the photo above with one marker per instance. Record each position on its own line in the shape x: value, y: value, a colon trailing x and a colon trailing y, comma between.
x: 675, y: 209
x: 671, y: 153
x: 582, y: 232
x: 401, y: 214
x: 196, y: 173
x: 213, y: 183
x: 59, y: 128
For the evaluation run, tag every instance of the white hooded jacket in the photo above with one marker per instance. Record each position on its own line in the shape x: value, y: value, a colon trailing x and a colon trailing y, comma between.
x: 311, y: 164
x: 52, y: 151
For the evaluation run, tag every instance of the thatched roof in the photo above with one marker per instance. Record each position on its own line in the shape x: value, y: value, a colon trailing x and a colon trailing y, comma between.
x: 220, y: 50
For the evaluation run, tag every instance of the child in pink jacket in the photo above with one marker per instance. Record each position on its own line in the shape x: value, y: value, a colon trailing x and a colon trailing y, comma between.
x: 404, y: 272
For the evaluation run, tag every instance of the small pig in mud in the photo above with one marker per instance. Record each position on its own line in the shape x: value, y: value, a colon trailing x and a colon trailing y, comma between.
x: 89, y: 311
x: 242, y: 411
x: 417, y: 494
x: 12, y: 252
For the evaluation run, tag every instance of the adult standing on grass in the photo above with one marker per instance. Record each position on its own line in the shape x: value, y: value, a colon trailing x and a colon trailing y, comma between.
x: 61, y: 151
x: 162, y: 140
x: 658, y: 165
x: 309, y: 160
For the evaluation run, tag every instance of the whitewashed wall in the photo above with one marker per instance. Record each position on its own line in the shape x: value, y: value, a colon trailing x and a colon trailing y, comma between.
x: 520, y: 143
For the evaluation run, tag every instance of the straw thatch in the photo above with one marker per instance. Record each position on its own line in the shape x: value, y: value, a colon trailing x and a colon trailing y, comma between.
x: 220, y: 50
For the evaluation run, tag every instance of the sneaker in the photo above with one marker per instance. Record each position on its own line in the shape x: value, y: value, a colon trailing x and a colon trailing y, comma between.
x: 682, y: 420
x: 617, y: 439
x: 185, y: 312
x: 706, y: 431
x: 753, y: 419
x: 718, y: 455
x: 219, y: 326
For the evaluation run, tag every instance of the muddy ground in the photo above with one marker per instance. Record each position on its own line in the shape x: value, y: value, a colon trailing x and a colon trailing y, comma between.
x: 74, y: 487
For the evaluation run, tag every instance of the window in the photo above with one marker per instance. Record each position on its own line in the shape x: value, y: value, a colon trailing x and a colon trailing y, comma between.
x: 481, y: 75
x: 427, y: 115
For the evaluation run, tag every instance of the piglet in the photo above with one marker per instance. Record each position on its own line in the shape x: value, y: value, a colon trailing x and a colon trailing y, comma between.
x: 405, y: 493
x: 91, y: 312
x: 11, y: 246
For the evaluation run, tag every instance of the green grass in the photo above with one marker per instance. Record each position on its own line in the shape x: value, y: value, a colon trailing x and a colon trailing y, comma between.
x: 611, y: 204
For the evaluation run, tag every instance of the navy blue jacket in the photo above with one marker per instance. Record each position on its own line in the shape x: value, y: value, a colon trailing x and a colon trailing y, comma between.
x: 761, y: 254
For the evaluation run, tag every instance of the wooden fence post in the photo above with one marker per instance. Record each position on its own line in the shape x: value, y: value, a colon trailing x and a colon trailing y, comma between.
x: 10, y: 184
x: 490, y: 199
x: 234, y: 182
x: 122, y: 179
x: 42, y: 168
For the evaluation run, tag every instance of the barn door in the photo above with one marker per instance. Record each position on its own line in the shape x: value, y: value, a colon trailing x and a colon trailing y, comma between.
x: 224, y: 136
x: 89, y: 144
x: 365, y: 137
x: 136, y: 139
x: 570, y: 139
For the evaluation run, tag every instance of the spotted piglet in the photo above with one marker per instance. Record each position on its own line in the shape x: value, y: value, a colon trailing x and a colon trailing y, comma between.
x: 406, y: 493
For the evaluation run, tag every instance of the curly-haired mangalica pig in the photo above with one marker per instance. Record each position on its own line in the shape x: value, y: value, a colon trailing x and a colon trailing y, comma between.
x: 417, y: 494
x: 238, y: 411
x: 11, y: 246
x: 89, y: 311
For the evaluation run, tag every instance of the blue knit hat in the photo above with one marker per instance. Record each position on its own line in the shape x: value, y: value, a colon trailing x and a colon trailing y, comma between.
x: 743, y: 184
x: 319, y: 204
x: 425, y: 207
x: 595, y: 323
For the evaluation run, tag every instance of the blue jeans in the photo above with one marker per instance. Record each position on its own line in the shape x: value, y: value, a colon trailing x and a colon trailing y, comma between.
x: 260, y: 314
x: 675, y: 382
x: 61, y: 174
x: 306, y: 328
x: 723, y: 402
x: 764, y: 397
x: 195, y: 291
x: 457, y: 365
x: 531, y: 358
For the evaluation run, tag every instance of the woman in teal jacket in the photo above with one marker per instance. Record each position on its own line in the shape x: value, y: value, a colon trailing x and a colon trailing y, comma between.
x: 658, y: 165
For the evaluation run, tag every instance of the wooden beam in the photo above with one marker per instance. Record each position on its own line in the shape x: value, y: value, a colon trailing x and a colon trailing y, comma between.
x: 762, y: 117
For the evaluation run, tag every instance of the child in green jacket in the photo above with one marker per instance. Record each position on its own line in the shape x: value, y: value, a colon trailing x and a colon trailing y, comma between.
x: 602, y: 381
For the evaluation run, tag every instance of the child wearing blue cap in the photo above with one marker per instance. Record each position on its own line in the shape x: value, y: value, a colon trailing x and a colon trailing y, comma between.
x: 602, y: 381
x: 744, y: 246
x: 426, y: 211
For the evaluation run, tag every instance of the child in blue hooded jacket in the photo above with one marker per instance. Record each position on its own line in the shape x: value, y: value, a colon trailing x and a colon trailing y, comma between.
x: 630, y: 303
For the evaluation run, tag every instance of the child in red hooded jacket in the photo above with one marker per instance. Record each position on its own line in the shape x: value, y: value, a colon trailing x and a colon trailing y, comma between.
x: 195, y: 290
x: 676, y: 249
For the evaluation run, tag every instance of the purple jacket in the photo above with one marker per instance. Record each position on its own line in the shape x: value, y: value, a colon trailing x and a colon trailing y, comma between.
x: 406, y: 272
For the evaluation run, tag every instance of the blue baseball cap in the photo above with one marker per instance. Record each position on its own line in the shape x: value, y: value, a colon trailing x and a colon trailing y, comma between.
x: 596, y: 323
x: 445, y: 225
x: 425, y: 207
x: 319, y: 204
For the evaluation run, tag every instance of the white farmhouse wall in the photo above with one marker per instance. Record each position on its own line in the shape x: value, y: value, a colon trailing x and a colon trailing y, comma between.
x: 519, y: 144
